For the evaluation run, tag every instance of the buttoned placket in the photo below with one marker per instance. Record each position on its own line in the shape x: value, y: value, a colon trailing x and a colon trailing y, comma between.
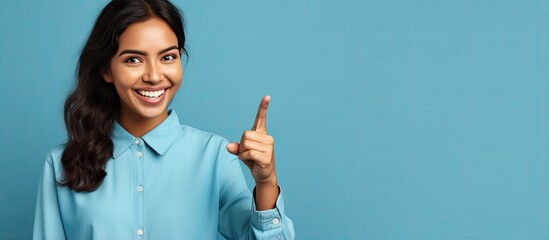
x: 138, y: 151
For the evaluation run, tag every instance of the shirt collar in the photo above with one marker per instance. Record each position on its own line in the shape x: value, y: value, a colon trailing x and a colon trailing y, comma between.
x: 159, y: 138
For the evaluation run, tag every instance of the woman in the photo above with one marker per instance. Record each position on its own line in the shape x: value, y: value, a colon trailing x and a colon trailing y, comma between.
x: 129, y: 169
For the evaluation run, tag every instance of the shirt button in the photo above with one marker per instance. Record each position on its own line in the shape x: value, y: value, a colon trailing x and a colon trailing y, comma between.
x: 140, y: 232
x: 276, y: 221
x: 140, y: 188
x: 136, y: 141
x: 139, y: 154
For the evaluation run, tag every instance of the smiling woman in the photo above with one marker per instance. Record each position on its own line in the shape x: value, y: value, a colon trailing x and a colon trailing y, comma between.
x: 129, y: 169
x: 146, y: 72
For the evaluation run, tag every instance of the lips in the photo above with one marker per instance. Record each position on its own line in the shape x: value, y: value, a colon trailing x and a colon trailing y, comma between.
x: 151, y: 96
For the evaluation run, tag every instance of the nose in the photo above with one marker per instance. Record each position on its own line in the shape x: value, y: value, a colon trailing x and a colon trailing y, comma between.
x: 153, y: 73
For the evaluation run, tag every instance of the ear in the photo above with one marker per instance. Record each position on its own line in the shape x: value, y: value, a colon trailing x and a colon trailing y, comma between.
x: 106, y: 75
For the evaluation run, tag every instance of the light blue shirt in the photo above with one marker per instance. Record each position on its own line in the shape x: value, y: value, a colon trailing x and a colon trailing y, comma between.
x: 175, y: 182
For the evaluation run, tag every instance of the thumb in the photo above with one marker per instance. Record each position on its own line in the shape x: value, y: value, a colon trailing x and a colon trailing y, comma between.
x: 233, y: 148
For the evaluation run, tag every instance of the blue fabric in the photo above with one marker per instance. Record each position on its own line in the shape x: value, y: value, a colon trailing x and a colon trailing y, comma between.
x: 176, y: 182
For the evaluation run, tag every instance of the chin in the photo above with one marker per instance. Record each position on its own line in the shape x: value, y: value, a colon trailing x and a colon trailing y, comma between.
x: 151, y: 113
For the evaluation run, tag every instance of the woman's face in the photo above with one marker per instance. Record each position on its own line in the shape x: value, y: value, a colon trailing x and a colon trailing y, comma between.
x: 146, y: 70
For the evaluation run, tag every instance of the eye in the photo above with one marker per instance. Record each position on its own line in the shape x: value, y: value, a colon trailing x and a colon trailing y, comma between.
x: 132, y: 60
x: 170, y: 57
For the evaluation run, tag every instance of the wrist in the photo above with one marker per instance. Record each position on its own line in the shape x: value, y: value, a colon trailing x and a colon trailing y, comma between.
x: 265, y: 195
x: 267, y: 183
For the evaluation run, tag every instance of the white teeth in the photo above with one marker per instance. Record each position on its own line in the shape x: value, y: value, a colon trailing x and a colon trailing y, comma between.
x: 151, y: 94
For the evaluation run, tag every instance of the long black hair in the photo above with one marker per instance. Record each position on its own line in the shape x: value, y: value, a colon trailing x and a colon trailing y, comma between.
x: 93, y: 106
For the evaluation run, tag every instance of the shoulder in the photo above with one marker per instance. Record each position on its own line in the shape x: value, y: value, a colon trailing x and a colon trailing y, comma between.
x: 55, y: 153
x: 202, y: 136
x: 53, y: 158
x: 205, y: 142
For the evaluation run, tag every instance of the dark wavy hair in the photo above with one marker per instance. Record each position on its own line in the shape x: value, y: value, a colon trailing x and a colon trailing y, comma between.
x: 93, y: 106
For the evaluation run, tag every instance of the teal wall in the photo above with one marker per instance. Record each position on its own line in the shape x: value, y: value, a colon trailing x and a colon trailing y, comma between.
x: 393, y: 119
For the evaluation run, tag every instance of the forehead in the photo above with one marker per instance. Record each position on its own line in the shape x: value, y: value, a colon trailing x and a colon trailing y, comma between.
x: 151, y: 35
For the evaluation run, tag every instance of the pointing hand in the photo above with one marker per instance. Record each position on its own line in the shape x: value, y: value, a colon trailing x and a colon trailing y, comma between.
x: 256, y: 147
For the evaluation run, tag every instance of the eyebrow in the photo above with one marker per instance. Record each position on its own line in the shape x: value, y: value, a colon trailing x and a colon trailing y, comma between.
x: 144, y: 53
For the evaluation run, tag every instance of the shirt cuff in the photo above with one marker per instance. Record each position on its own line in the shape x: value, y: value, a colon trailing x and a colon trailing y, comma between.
x: 269, y: 219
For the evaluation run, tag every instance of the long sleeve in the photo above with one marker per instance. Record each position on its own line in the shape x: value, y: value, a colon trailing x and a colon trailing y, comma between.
x: 175, y: 182
x: 47, y: 217
x: 238, y: 217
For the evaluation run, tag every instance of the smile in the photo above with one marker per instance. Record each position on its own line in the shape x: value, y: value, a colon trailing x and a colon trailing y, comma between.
x: 151, y: 94
x: 151, y: 97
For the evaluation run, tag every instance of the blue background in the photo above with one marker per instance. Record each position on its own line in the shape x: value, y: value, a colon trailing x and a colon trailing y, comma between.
x: 393, y: 119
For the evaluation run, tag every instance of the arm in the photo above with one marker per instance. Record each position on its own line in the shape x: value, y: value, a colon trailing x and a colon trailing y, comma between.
x: 238, y: 214
x: 256, y: 150
x: 47, y: 217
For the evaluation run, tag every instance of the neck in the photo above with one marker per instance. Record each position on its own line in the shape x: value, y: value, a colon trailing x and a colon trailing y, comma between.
x: 137, y: 125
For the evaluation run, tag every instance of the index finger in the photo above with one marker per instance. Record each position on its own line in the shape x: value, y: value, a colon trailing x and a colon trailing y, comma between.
x: 260, y: 123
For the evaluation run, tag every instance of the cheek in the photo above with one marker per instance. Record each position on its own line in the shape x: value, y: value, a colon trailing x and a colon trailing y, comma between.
x: 126, y: 78
x: 174, y: 74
